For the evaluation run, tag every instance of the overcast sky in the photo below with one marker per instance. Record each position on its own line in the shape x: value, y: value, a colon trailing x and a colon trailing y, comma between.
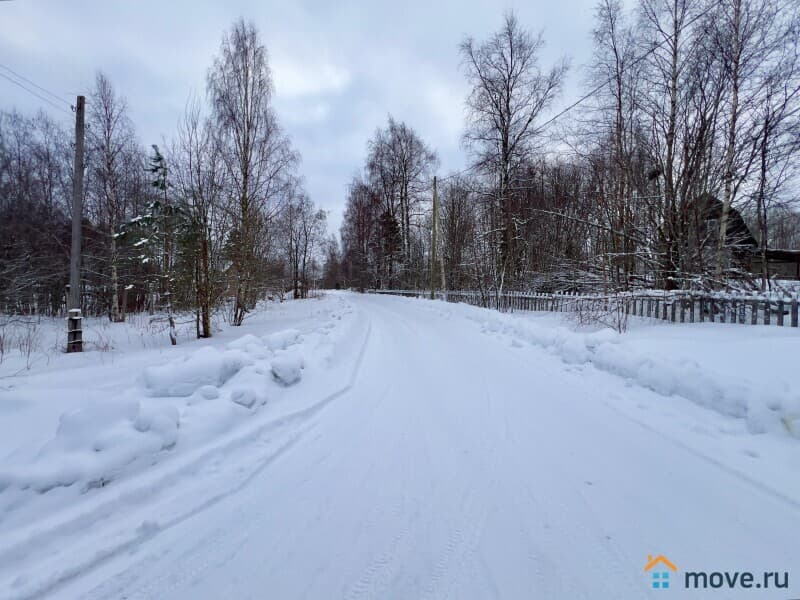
x: 340, y: 67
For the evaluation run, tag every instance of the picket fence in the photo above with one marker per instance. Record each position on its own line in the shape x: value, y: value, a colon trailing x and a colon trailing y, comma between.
x: 675, y: 307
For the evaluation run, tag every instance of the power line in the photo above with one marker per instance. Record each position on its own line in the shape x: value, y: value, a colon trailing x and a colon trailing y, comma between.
x: 39, y: 96
x: 33, y: 83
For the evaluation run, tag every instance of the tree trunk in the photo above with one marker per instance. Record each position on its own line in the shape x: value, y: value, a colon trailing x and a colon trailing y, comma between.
x: 114, y: 281
x: 731, y: 142
x: 205, y: 293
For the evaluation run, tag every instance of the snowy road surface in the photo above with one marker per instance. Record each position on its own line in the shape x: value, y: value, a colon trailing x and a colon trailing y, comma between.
x: 459, y: 465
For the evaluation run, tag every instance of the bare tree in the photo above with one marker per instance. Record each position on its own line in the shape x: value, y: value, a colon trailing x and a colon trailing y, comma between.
x: 305, y: 233
x: 200, y: 181
x: 746, y: 35
x: 400, y: 168
x: 776, y: 139
x: 360, y: 235
x: 255, y: 152
x: 509, y: 93
x: 111, y: 139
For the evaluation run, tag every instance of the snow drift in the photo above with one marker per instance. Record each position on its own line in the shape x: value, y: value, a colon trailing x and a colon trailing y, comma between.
x: 206, y: 366
x: 92, y: 444
x: 184, y: 402
x: 764, y: 405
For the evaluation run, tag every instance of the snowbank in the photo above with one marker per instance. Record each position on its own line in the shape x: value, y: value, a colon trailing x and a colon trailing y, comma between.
x: 93, y: 443
x: 112, y: 420
x: 765, y: 405
x: 282, y: 339
x: 287, y: 369
x: 207, y: 366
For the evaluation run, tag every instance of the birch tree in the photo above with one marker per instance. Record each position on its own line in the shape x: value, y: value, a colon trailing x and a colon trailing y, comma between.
x: 110, y: 135
x: 509, y: 93
x: 254, y: 150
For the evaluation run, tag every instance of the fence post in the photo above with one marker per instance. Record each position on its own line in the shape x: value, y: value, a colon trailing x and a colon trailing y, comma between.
x: 794, y: 312
x: 754, y: 312
x: 780, y: 312
x: 767, y: 315
x: 691, y: 309
x: 702, y: 309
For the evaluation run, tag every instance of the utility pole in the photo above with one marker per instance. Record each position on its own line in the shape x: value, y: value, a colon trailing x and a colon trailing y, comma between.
x: 441, y: 267
x: 74, y: 332
x: 433, y: 239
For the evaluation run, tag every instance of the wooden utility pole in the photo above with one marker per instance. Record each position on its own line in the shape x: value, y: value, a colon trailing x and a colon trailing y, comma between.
x: 441, y: 269
x: 441, y: 258
x: 433, y: 239
x: 74, y: 332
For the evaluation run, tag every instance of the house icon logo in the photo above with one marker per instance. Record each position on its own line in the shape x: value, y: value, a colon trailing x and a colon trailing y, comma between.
x: 658, y: 569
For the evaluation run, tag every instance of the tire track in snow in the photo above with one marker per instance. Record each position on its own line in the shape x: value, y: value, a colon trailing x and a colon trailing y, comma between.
x: 375, y: 579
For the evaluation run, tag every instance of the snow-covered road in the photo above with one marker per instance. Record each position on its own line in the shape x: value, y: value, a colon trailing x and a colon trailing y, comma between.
x: 459, y: 465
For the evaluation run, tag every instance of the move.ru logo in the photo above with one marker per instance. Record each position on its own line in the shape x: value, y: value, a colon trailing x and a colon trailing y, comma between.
x: 658, y: 569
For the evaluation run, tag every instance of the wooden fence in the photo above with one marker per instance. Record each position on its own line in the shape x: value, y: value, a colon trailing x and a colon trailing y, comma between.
x: 676, y: 307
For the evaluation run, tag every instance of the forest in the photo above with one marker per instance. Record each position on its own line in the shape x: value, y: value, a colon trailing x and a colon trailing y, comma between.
x: 676, y: 170
x: 210, y: 224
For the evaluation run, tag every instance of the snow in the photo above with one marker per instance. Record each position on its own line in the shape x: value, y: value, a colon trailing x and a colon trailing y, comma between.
x: 282, y: 339
x: 370, y: 446
x: 76, y: 423
x: 206, y: 366
x: 93, y: 443
x: 736, y: 370
x: 287, y: 369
